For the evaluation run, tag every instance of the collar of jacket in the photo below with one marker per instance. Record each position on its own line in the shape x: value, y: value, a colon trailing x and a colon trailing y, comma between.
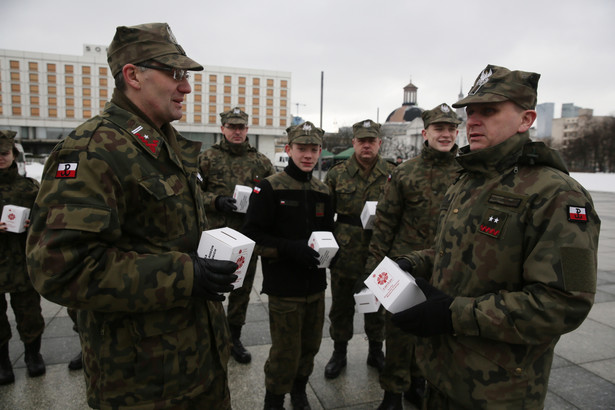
x: 495, y: 159
x: 353, y: 166
x: 8, y: 175
x: 235, y: 149
x: 438, y: 157
x: 294, y: 171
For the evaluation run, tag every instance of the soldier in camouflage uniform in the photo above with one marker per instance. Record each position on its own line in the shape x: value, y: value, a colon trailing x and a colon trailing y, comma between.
x: 26, y: 302
x: 358, y: 179
x: 233, y: 162
x: 114, y: 235
x: 406, y: 219
x: 514, y: 262
x: 284, y: 210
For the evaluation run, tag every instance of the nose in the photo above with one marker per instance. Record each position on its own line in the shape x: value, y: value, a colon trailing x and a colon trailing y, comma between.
x: 184, y: 86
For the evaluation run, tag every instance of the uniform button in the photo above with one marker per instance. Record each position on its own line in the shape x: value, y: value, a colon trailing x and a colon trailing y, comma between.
x: 455, y: 211
x: 518, y: 371
x: 441, y: 253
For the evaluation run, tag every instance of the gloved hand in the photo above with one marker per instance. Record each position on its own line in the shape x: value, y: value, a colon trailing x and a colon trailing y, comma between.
x: 359, y: 284
x: 212, y: 277
x: 225, y: 203
x: 430, y: 318
x: 404, y: 264
x: 300, y: 251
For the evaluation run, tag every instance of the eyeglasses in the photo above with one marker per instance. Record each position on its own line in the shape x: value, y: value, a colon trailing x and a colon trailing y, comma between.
x: 239, y: 127
x: 178, y: 73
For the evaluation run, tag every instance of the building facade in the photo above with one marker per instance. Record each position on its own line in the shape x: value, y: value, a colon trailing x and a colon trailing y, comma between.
x: 44, y: 96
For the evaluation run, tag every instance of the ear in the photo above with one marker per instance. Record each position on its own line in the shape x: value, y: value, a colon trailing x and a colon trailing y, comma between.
x: 527, y: 119
x: 287, y: 149
x: 424, y: 133
x: 130, y: 73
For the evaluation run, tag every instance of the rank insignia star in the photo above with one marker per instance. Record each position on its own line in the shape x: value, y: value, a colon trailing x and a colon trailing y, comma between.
x: 493, y: 223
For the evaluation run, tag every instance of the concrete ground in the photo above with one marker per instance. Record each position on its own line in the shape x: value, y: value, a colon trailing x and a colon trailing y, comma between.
x: 583, y: 375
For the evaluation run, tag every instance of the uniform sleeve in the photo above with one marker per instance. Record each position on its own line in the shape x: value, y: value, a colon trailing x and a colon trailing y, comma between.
x: 330, y: 182
x: 209, y: 197
x: 559, y: 277
x: 73, y: 254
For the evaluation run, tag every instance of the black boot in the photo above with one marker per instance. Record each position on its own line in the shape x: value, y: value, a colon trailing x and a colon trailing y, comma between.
x: 337, y: 361
x: 6, y: 370
x: 298, y: 397
x: 274, y: 401
x: 375, y: 357
x: 239, y: 353
x: 391, y: 401
x: 34, y: 361
x: 76, y: 363
x: 416, y: 392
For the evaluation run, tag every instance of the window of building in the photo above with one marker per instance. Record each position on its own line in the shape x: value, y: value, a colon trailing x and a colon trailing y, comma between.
x: 70, y: 102
x: 32, y: 66
x: 14, y: 76
x: 87, y: 102
x: 283, y: 93
x: 14, y: 65
x: 16, y: 88
x: 227, y: 79
x: 241, y: 101
x: 70, y: 113
x: 86, y: 70
x: 197, y: 118
x: 51, y: 68
x: 242, y: 90
x: 52, y: 112
x: 269, y: 92
x: 227, y: 99
x: 284, y: 84
x: 34, y: 100
x: 101, y: 104
x: 255, y: 101
x: 256, y: 81
x: 86, y: 81
x: 282, y: 113
x: 51, y: 78
x: 52, y: 101
x: 269, y: 102
x: 255, y: 91
x: 283, y: 103
x: 16, y: 110
x: 102, y: 71
x: 103, y: 93
x: 242, y: 80
x: 212, y: 78
x: 69, y: 90
x: 255, y: 111
x: 198, y: 107
x: 212, y: 99
x: 227, y: 89
x: 69, y: 79
x: 212, y: 119
x: 51, y: 90
x: 33, y: 89
x: 254, y: 121
x: 198, y: 87
x: 33, y: 77
x: 269, y: 112
x: 15, y: 99
x: 269, y: 82
x: 212, y: 89
x: 198, y: 97
x: 87, y: 92
x: 87, y: 113
x: 35, y: 112
x: 269, y: 121
x: 282, y: 122
x: 198, y: 78
x: 102, y: 81
x: 68, y: 68
x: 227, y: 108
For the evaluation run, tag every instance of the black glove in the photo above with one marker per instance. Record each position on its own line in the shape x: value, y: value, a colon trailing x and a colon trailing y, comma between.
x: 212, y: 277
x: 225, y: 203
x: 430, y: 318
x: 359, y: 285
x: 404, y: 264
x: 301, y: 252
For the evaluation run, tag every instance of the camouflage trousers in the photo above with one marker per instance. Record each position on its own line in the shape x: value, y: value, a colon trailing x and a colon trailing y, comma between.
x: 239, y: 299
x: 72, y: 313
x: 296, y: 332
x: 400, y: 361
x: 342, y: 312
x: 27, y: 308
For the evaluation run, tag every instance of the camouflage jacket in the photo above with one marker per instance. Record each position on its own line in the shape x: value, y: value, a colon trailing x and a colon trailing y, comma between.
x: 116, y: 216
x: 225, y: 165
x: 289, y: 205
x: 516, y: 247
x: 20, y: 191
x: 407, y: 214
x: 350, y: 188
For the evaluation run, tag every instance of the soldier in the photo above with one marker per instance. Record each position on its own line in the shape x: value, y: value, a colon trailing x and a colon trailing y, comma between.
x: 115, y: 231
x: 284, y: 210
x: 358, y: 179
x: 513, y: 266
x: 406, y: 219
x: 233, y: 162
x: 26, y: 302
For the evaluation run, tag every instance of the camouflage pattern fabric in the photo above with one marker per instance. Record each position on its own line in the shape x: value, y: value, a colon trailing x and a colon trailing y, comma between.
x: 223, y: 166
x: 350, y: 188
x: 25, y: 301
x: 296, y: 333
x: 517, y: 249
x: 117, y: 214
x: 406, y: 220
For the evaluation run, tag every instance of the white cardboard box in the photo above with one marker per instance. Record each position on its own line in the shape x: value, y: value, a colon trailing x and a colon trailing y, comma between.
x: 325, y: 244
x: 368, y: 214
x: 242, y: 196
x: 229, y: 245
x: 366, y: 301
x: 15, y: 218
x: 395, y: 288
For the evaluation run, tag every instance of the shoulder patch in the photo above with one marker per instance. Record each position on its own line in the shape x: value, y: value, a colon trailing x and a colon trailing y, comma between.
x: 493, y: 223
x: 577, y: 213
x: 67, y: 170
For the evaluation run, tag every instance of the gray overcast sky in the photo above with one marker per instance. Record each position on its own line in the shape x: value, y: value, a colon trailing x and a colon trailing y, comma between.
x: 368, y: 50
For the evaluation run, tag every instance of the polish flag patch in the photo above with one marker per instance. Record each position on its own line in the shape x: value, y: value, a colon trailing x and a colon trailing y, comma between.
x: 577, y: 213
x: 256, y: 190
x: 67, y: 170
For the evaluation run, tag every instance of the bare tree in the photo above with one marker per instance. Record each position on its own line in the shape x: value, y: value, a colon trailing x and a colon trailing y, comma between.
x: 594, y: 148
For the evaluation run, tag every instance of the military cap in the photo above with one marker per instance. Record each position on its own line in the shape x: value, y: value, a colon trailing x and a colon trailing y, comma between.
x: 305, y: 133
x: 152, y: 41
x: 234, y: 116
x: 497, y: 84
x: 7, y: 140
x: 441, y: 113
x: 366, y: 129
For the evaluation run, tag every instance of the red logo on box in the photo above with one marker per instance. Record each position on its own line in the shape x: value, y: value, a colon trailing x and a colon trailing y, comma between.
x: 382, y: 278
x: 11, y: 216
x: 241, y: 261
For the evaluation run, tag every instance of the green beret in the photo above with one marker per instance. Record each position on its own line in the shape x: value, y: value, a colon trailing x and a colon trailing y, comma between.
x: 441, y: 113
x: 234, y: 116
x: 305, y: 133
x: 153, y: 41
x: 497, y: 84
x: 366, y: 129
x: 7, y: 140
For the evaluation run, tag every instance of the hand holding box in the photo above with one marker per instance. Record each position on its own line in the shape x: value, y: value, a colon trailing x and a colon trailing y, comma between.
x: 242, y: 196
x: 325, y: 244
x: 366, y: 301
x: 15, y: 218
x: 368, y: 214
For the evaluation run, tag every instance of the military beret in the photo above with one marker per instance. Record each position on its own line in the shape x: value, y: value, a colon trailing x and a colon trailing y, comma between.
x: 305, y: 133
x: 153, y: 41
x: 497, y: 84
x: 366, y: 129
x: 234, y: 116
x: 441, y: 113
x: 7, y: 140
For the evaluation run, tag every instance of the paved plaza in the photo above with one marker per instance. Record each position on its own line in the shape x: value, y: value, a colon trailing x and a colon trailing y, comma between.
x: 583, y: 375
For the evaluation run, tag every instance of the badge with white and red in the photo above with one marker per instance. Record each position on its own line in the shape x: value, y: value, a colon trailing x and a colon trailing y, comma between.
x: 149, y: 142
x: 577, y: 213
x: 67, y: 170
x: 493, y: 223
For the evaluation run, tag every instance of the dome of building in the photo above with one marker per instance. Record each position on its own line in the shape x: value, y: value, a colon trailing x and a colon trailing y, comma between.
x: 408, y: 110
